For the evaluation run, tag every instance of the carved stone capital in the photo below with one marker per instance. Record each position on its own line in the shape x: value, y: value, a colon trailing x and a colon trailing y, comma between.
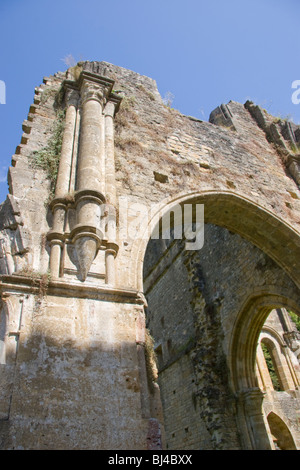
x: 112, y: 105
x: 112, y: 247
x: 56, y: 238
x: 59, y: 202
x: 94, y: 87
x: 71, y: 95
x: 252, y: 399
x: 91, y: 91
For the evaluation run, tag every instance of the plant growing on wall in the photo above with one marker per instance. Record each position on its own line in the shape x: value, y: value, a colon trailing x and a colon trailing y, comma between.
x: 295, y: 318
x: 271, y: 367
x: 48, y: 157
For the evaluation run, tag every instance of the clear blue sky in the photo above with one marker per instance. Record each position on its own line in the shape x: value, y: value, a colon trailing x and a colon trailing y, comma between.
x: 204, y: 52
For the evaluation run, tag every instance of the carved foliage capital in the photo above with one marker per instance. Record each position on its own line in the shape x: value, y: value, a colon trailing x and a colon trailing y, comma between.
x: 92, y: 91
x: 71, y: 97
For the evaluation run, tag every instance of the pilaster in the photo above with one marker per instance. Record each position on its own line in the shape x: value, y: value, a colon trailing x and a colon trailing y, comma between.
x: 87, y: 167
x: 251, y: 401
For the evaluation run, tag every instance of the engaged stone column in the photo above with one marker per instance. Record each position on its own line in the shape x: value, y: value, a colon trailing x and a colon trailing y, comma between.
x: 65, y: 163
x: 58, y: 205
x: 252, y: 401
x: 110, y: 188
x: 56, y: 237
x: 89, y: 174
x: 87, y: 235
x: 110, y: 110
x: 110, y: 254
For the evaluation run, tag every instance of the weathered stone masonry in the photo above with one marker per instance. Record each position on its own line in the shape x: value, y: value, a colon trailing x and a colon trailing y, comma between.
x: 208, y: 287
x: 77, y: 292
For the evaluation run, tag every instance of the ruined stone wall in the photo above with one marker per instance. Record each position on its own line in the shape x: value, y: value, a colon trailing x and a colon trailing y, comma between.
x: 72, y: 311
x: 159, y: 154
x: 76, y: 359
x: 193, y: 300
x: 171, y: 321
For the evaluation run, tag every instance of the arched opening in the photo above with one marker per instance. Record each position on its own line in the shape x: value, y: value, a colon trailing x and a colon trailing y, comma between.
x: 264, y: 320
x: 277, y: 371
x: 201, y: 313
x: 278, y: 351
x: 271, y: 359
x: 248, y: 326
x: 281, y: 435
x: 238, y: 214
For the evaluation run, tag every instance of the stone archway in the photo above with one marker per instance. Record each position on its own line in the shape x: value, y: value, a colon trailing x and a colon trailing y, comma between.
x: 243, y: 346
x: 247, y: 325
x: 279, y: 375
x: 235, y: 212
x: 246, y: 331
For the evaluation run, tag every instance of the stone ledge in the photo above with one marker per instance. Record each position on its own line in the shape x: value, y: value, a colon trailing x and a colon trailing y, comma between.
x: 29, y: 285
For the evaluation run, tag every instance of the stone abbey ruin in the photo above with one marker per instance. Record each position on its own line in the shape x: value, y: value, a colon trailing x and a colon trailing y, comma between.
x: 125, y: 323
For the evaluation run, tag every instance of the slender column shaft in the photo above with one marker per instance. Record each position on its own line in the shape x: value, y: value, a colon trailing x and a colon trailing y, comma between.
x: 87, y: 235
x: 63, y: 182
x: 89, y: 162
x: 110, y: 154
x: 55, y: 259
x: 110, y: 267
x: 64, y: 171
x: 75, y: 153
x: 110, y: 189
x: 56, y: 237
x: 59, y: 218
x: 252, y: 400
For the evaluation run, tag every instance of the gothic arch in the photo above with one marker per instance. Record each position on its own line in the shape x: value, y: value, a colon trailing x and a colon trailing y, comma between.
x: 272, y: 235
x: 282, y: 436
x: 242, y: 359
x: 267, y: 330
x: 272, y: 343
x: 280, y: 357
x: 246, y: 330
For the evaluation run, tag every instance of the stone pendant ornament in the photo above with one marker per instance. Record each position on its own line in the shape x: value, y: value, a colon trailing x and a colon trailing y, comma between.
x: 86, y: 248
